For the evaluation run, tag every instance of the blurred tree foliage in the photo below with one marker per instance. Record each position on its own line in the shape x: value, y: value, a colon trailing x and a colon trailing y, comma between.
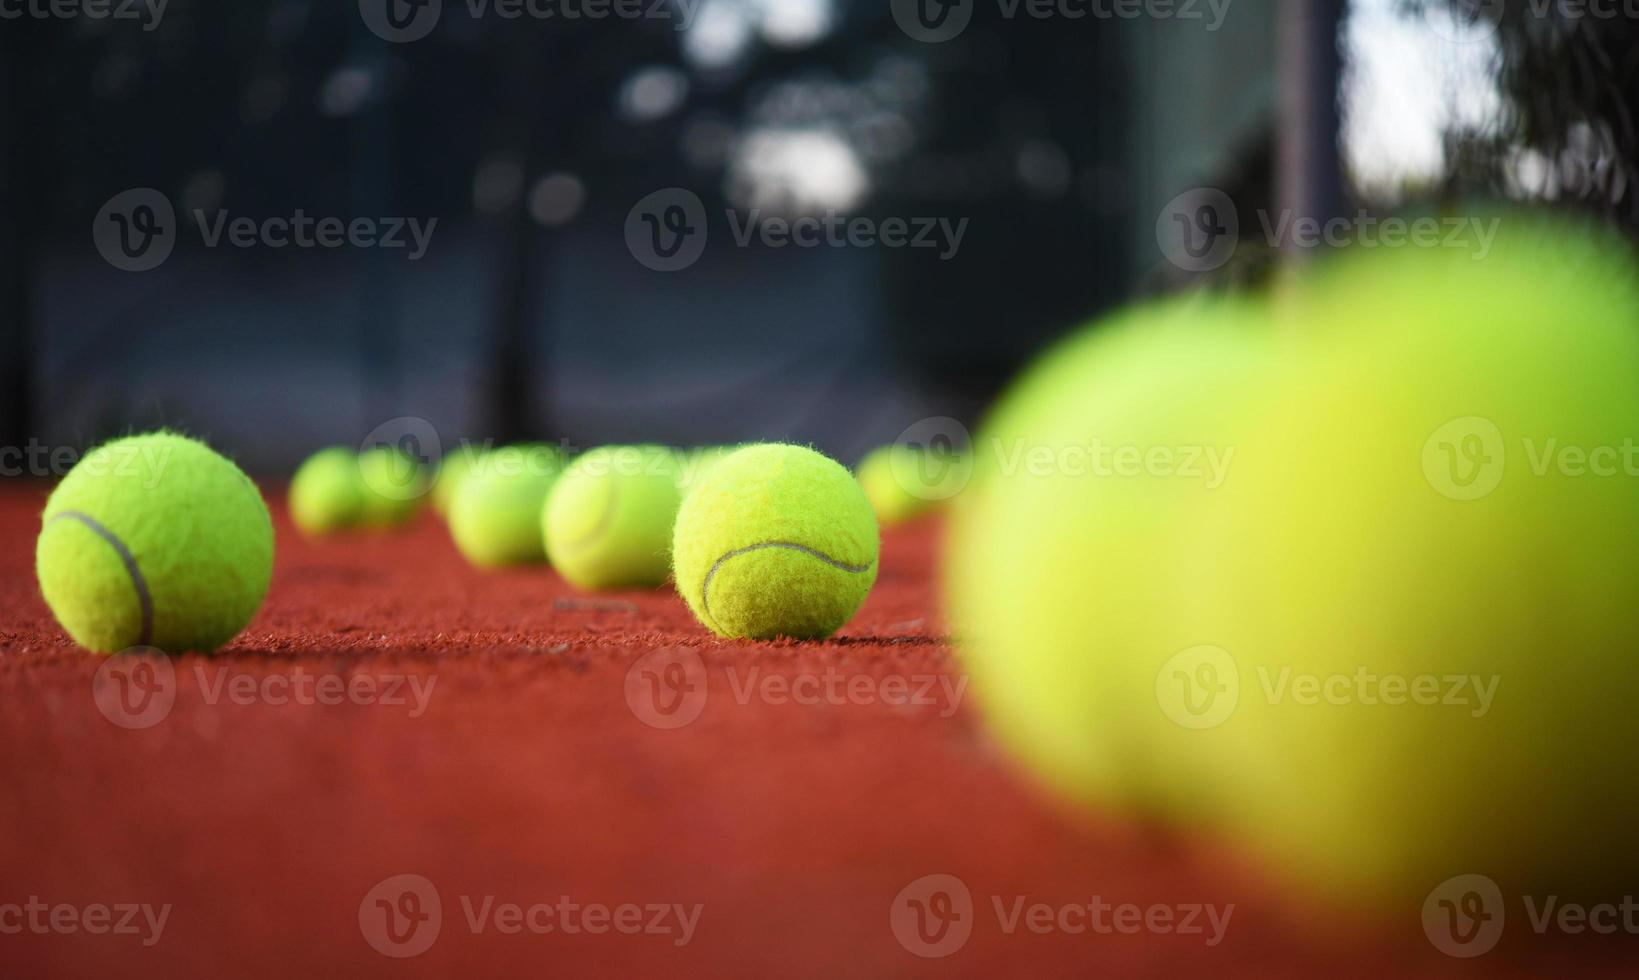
x: 1568, y: 73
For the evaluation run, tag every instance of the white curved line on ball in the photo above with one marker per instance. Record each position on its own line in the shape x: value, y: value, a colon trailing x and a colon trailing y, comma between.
x: 705, y: 586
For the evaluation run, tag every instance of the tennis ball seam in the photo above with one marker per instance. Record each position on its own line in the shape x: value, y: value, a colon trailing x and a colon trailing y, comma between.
x: 705, y: 585
x: 145, y: 599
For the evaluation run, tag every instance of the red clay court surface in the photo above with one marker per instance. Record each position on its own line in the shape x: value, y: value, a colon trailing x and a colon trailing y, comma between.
x: 534, y: 773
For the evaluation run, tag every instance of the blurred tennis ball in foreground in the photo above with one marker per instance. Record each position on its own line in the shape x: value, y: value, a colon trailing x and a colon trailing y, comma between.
x: 495, y: 515
x: 1065, y: 548
x: 1391, y: 644
x: 903, y: 482
x: 327, y: 493
x: 608, y: 519
x: 1425, y: 582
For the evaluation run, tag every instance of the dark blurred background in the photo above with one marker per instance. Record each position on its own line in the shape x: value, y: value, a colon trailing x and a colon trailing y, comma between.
x: 1053, y: 142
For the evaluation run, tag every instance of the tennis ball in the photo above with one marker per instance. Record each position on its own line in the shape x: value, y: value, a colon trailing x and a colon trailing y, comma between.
x: 903, y: 482
x: 326, y: 493
x: 1442, y: 537
x: 1064, y: 547
x: 608, y: 519
x: 394, y: 484
x: 154, y: 540
x: 452, y: 469
x: 775, y: 540
x: 495, y: 515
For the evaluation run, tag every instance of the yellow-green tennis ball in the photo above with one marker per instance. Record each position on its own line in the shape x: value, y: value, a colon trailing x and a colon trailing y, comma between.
x: 608, y: 520
x: 776, y: 540
x: 154, y: 540
x: 903, y: 482
x: 394, y: 484
x: 1444, y: 530
x: 495, y: 516
x: 452, y: 469
x: 326, y: 494
x: 1066, y: 549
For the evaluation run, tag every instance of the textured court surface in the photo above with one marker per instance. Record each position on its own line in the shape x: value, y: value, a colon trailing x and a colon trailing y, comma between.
x: 552, y: 760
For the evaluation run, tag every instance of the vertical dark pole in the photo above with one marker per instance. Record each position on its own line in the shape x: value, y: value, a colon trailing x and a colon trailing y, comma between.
x: 20, y: 193
x: 1308, y: 169
x: 513, y: 412
x: 374, y: 190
